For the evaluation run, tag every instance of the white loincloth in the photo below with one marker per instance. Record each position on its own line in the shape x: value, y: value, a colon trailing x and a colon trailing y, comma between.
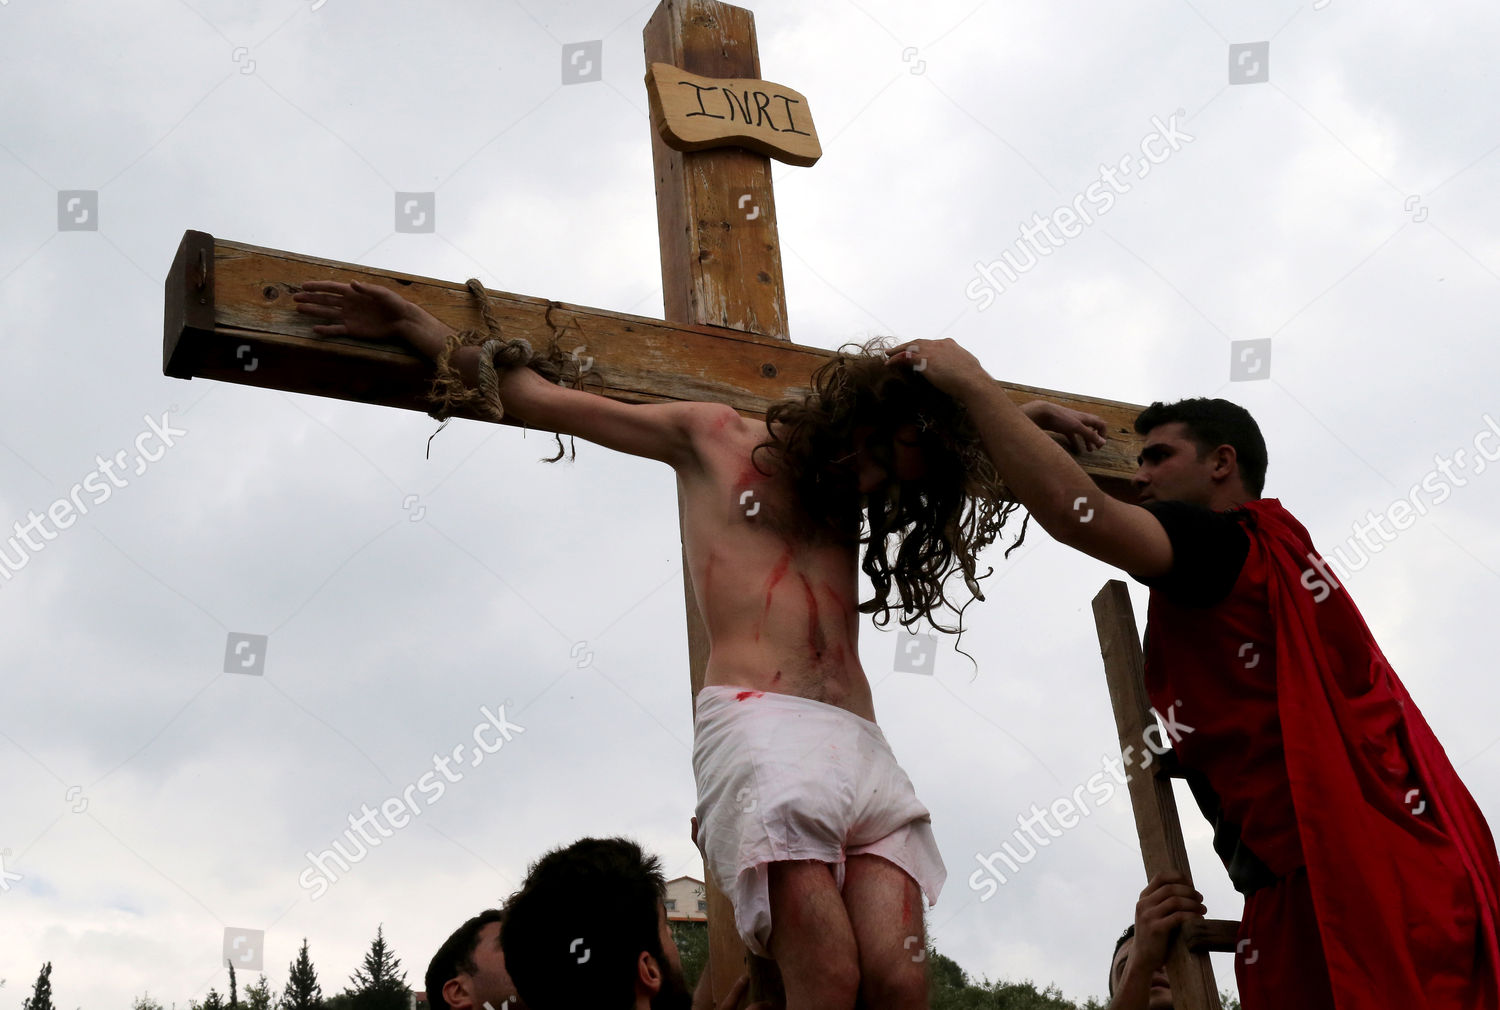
x: 785, y: 778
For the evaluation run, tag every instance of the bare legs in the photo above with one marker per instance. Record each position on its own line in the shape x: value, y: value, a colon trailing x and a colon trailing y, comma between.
x: 867, y: 943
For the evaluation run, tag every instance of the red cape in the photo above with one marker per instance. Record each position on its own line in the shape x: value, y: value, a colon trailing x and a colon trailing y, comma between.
x: 1368, y: 852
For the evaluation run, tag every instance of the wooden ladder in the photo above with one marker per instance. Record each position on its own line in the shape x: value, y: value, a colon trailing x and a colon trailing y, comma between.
x: 1188, y: 968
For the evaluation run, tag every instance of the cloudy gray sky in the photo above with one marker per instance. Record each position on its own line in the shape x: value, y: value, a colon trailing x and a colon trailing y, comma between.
x: 1338, y: 201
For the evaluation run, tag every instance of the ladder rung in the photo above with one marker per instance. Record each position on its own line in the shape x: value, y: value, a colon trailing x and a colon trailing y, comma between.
x: 1217, y: 935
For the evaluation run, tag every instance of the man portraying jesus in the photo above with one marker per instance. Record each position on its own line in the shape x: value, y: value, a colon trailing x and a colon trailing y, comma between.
x: 805, y: 819
x: 1370, y: 875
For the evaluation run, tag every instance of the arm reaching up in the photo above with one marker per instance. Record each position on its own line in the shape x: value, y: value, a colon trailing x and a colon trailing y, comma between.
x: 1039, y: 472
x: 660, y: 431
x: 1140, y: 978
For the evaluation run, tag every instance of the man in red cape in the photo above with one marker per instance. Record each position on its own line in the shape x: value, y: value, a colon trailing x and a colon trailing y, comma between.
x: 1370, y: 875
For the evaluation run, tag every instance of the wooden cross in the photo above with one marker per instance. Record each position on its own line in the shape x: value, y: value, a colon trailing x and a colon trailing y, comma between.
x: 724, y: 338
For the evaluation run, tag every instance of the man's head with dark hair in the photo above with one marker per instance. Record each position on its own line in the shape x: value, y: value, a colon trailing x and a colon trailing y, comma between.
x: 1202, y: 451
x: 1116, y: 962
x: 468, y: 970
x: 1160, y: 994
x: 878, y: 454
x: 588, y: 928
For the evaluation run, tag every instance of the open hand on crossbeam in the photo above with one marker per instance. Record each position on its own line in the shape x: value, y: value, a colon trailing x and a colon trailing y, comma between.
x: 369, y: 312
x: 1074, y: 430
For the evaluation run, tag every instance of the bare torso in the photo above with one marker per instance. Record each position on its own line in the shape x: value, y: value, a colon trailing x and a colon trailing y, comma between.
x: 778, y: 600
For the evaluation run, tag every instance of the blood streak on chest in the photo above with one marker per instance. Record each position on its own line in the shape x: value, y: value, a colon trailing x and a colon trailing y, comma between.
x: 741, y: 696
x: 846, y: 608
x: 750, y: 474
x: 776, y: 576
x: 815, y: 639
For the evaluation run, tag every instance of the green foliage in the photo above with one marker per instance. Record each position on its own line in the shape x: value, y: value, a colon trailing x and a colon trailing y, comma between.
x: 41, y: 992
x: 692, y: 946
x: 379, y: 983
x: 145, y: 1002
x: 257, y: 996
x: 952, y: 989
x: 943, y: 973
x: 213, y: 1001
x: 302, y: 990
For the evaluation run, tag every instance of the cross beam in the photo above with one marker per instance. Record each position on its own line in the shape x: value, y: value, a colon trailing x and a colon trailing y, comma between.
x: 229, y: 317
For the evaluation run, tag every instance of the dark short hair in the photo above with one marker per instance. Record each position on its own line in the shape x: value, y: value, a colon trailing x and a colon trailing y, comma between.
x: 1210, y: 424
x: 456, y: 955
x: 574, y: 931
x: 1127, y: 935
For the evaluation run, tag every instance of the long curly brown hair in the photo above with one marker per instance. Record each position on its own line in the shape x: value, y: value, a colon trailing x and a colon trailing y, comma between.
x: 940, y: 522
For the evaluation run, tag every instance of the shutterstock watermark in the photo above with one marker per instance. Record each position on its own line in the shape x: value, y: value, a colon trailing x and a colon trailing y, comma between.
x: 398, y: 809
x: 1070, y: 219
x: 16, y: 551
x: 1432, y: 490
x: 7, y: 877
x: 1067, y: 810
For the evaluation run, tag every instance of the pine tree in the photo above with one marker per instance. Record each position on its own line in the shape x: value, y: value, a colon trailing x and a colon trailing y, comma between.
x: 302, y: 991
x: 234, y: 989
x: 145, y: 1002
x: 41, y: 993
x: 259, y: 995
x: 379, y: 984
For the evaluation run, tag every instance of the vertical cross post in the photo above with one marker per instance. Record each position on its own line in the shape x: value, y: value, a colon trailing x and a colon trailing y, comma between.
x: 721, y: 266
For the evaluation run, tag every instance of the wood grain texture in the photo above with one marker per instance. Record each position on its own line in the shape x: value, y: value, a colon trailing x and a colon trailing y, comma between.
x: 695, y: 113
x: 1217, y: 935
x: 247, y: 303
x: 720, y: 267
x: 720, y: 259
x: 1162, y: 848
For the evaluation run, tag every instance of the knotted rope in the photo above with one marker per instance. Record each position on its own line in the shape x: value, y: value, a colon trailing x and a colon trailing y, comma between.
x: 451, y: 393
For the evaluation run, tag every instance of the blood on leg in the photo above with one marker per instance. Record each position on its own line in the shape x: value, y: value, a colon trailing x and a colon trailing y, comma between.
x: 811, y: 937
x: 885, y: 911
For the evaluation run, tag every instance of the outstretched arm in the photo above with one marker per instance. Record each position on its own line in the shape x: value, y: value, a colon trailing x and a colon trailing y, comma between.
x: 1041, y: 474
x: 661, y: 431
